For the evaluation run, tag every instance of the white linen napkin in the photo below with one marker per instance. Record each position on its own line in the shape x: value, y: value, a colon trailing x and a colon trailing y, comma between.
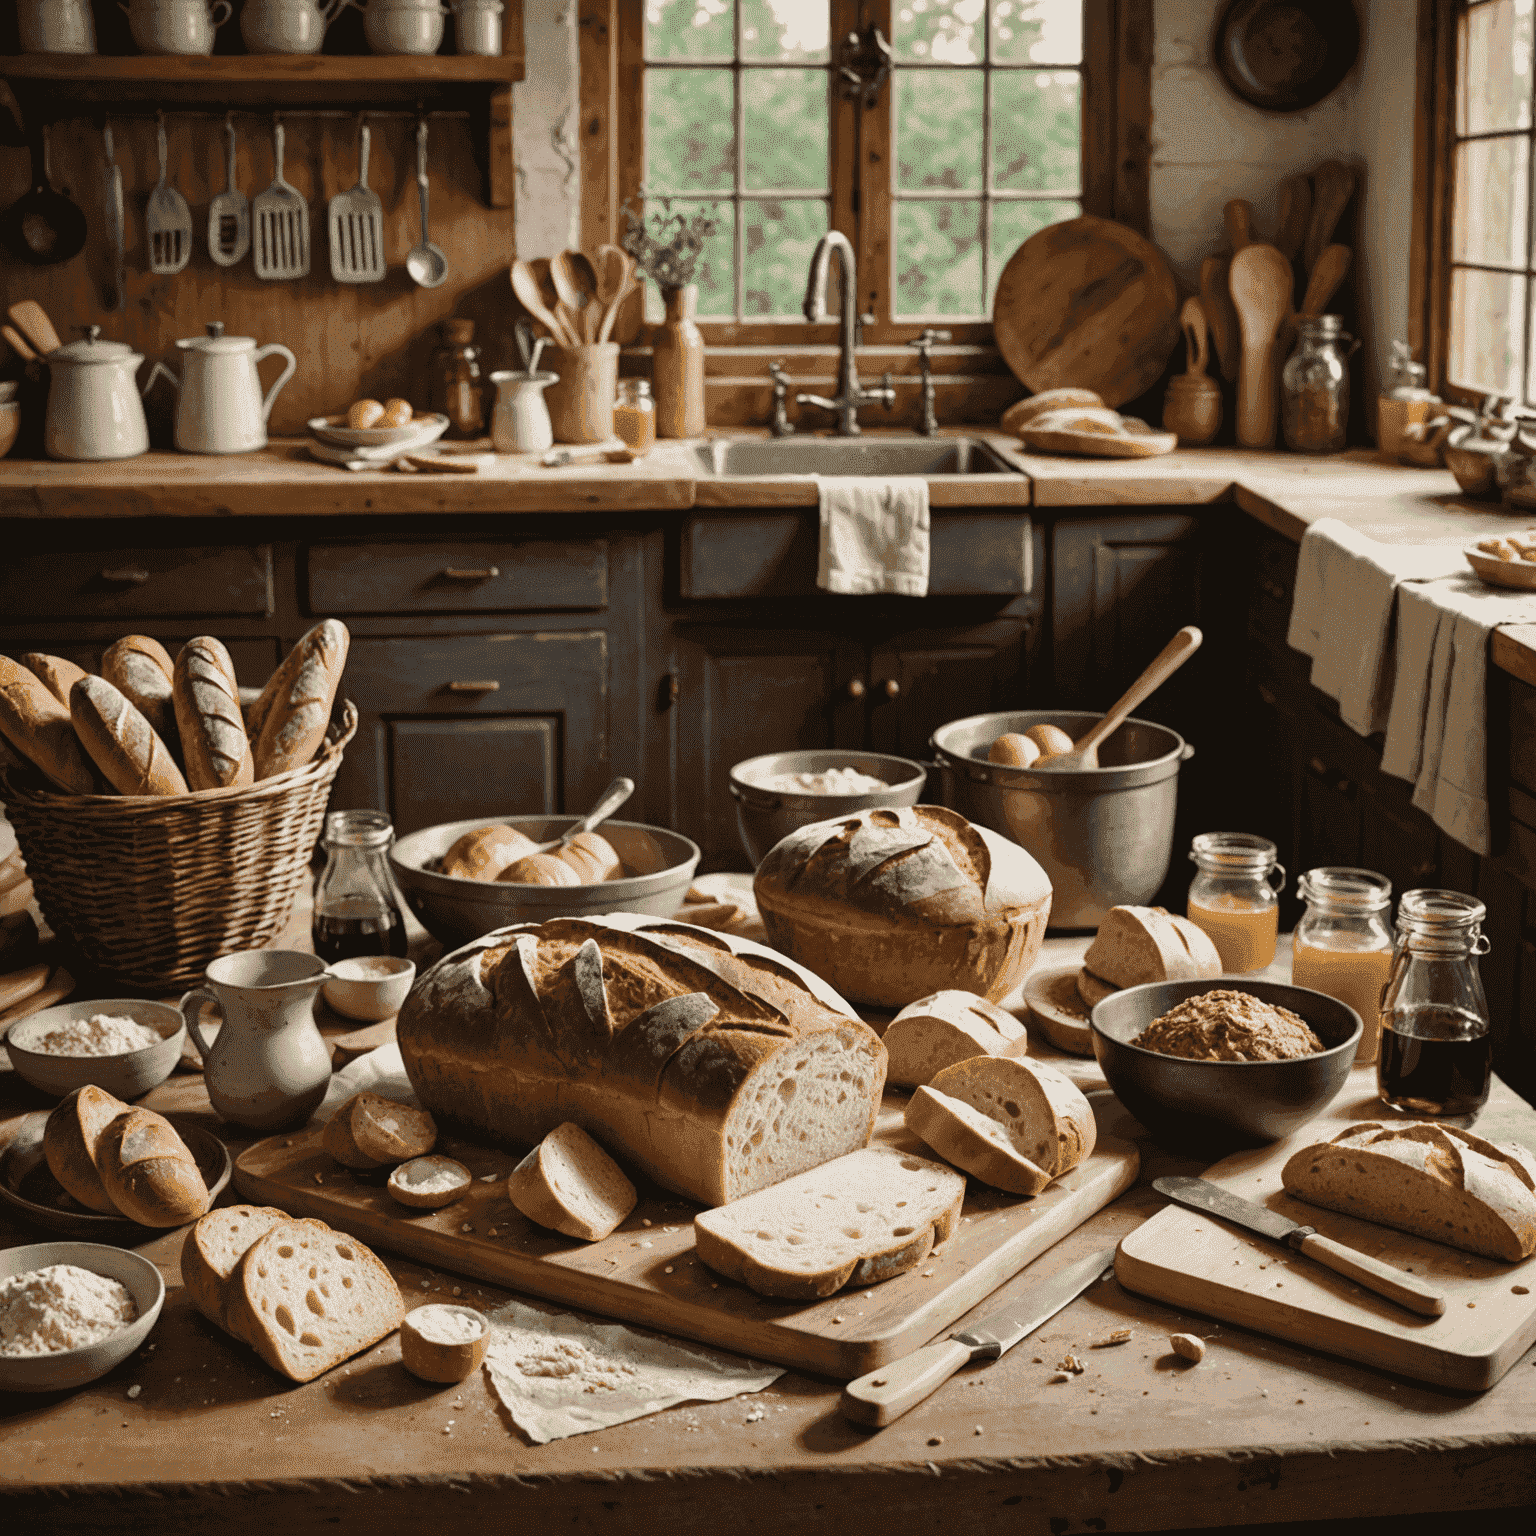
x: 874, y: 534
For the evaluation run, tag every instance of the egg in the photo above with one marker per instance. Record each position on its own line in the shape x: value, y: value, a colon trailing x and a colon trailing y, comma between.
x: 1014, y: 750
x: 365, y: 414
x: 396, y: 413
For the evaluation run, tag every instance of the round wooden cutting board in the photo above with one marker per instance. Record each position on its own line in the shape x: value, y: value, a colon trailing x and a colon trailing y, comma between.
x: 1087, y: 303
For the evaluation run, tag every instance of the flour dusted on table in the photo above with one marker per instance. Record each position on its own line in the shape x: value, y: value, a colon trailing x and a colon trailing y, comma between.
x: 103, y: 1034
x: 571, y: 1358
x: 61, y: 1307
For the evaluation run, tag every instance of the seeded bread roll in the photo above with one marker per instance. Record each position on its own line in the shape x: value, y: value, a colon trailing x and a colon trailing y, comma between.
x: 214, y: 745
x: 485, y: 852
x: 140, y: 668
x: 40, y: 729
x: 69, y: 1144
x: 147, y: 1170
x: 295, y: 706
x: 121, y: 742
x: 55, y: 673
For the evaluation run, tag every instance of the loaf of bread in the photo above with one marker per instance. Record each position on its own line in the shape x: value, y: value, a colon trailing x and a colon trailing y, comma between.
x: 214, y: 745
x: 213, y: 1250
x: 540, y: 869
x: 40, y: 729
x: 1022, y: 412
x: 892, y: 904
x: 57, y: 674
x: 121, y: 742
x: 709, y: 1063
x: 147, y: 1170
x: 485, y: 852
x: 593, y: 858
x: 1435, y: 1181
x: 1014, y: 750
x: 936, y: 1032
x: 369, y: 1131
x: 570, y: 1185
x: 1135, y: 945
x: 140, y: 668
x: 295, y: 706
x: 70, y: 1139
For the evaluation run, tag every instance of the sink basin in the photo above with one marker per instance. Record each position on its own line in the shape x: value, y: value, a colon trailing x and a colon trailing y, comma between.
x: 927, y: 456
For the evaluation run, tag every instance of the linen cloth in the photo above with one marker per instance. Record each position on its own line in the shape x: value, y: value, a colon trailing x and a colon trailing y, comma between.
x: 874, y: 534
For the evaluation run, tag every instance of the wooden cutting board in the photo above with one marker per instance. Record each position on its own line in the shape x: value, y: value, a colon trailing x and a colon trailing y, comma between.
x: 647, y: 1273
x: 1088, y: 303
x: 1204, y: 1265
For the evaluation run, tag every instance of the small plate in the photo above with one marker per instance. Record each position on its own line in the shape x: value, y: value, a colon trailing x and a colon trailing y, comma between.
x: 1520, y: 574
x: 28, y: 1186
x: 334, y: 429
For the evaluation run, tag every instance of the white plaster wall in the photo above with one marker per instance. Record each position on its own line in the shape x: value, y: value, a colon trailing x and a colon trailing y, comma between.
x: 544, y: 110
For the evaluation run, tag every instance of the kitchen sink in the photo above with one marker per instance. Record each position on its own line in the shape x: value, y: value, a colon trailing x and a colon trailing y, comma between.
x: 927, y: 456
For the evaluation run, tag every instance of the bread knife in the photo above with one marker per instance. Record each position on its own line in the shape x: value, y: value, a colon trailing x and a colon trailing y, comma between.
x: 886, y: 1394
x: 1212, y: 1200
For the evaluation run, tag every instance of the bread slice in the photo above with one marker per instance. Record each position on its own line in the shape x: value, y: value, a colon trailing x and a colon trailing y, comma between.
x: 214, y: 1248
x: 937, y: 1031
x: 1432, y: 1180
x: 1057, y: 1010
x: 369, y: 1131
x: 1092, y: 990
x: 147, y: 1170
x: 306, y: 1298
x: 69, y: 1144
x: 1047, y: 1119
x: 863, y: 1217
x: 569, y: 1184
x: 1140, y: 944
x: 964, y: 1136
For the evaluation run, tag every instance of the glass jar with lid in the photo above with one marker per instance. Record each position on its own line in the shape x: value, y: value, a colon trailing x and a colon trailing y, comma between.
x: 1343, y: 943
x: 1314, y: 386
x: 357, y: 905
x: 634, y: 416
x: 1436, y: 1055
x: 455, y: 387
x: 1235, y: 897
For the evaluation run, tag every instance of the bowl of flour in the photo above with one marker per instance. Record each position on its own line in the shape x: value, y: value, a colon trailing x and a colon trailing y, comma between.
x: 69, y: 1312
x: 126, y: 1045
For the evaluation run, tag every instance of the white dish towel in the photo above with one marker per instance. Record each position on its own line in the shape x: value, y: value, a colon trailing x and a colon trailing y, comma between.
x: 874, y: 534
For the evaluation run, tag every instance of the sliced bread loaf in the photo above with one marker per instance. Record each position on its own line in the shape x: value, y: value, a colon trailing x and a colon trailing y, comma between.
x: 964, y: 1136
x: 214, y: 1248
x: 937, y: 1031
x: 864, y: 1217
x: 569, y: 1184
x: 373, y: 1132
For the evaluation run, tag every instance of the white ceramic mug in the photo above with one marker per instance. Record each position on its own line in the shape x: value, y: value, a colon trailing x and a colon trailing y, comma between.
x: 56, y: 26
x: 520, y: 423
x: 477, y: 27
x: 404, y: 26
x: 175, y: 26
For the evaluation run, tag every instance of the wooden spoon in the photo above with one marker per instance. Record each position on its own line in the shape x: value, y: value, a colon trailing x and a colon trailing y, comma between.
x: 613, y: 269
x: 1295, y: 216
x: 1196, y: 337
x: 1333, y: 186
x: 1216, y: 297
x: 1085, y: 751
x: 631, y: 285
x: 1238, y: 219
x: 1331, y: 269
x: 576, y: 282
x: 31, y: 319
x: 1261, y: 292
x: 525, y: 284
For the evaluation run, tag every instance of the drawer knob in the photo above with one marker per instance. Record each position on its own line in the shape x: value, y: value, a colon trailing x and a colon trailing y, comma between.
x: 127, y: 576
x: 464, y: 573
x: 484, y: 685
x: 892, y: 688
x: 856, y: 688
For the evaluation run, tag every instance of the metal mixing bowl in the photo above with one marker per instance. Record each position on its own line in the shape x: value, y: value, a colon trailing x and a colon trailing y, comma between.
x: 1221, y: 1104
x: 457, y: 910
x: 767, y: 816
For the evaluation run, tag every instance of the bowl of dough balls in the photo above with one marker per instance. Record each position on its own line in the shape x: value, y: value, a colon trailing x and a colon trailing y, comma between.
x: 1509, y: 561
x: 465, y: 878
x: 379, y: 424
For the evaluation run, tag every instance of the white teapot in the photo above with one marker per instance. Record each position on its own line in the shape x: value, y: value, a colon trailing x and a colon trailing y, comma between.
x: 221, y: 408
x: 288, y: 26
x: 175, y: 26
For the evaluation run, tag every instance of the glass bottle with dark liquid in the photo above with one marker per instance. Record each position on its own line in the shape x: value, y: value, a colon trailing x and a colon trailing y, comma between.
x: 1436, y: 1056
x: 357, y: 909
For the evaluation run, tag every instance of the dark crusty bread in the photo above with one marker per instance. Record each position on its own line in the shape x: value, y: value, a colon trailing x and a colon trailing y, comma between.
x: 69, y: 1144
x: 214, y: 745
x: 290, y: 718
x: 121, y: 742
x: 709, y: 1063
x: 34, y: 722
x: 147, y: 1170
x: 57, y: 673
x: 140, y: 668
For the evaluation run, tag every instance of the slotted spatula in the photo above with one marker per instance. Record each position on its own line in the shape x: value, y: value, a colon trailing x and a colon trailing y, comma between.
x: 280, y: 225
x: 167, y: 219
x: 357, y: 225
x: 229, y: 214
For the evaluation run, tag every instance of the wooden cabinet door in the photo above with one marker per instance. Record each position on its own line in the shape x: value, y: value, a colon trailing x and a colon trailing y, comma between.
x: 739, y: 693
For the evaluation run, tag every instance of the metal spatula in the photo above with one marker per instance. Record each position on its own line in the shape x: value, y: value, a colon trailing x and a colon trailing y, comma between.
x: 229, y: 214
x: 167, y: 219
x: 280, y: 225
x: 357, y: 226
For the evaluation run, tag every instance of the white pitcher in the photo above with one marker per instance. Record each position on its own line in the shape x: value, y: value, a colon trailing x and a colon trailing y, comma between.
x: 221, y: 408
x: 175, y: 26
x: 288, y: 26
x: 56, y: 26
x: 520, y: 423
x: 269, y: 1066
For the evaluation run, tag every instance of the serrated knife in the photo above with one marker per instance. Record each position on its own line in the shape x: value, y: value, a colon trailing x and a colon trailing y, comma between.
x: 1212, y: 1200
x: 886, y: 1394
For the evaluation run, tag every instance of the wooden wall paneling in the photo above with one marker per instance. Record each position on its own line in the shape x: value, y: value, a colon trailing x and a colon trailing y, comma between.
x: 1429, y: 254
x: 597, y: 53
x: 1133, y: 113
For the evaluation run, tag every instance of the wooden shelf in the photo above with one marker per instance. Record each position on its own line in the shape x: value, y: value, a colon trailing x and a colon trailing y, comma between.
x: 321, y: 69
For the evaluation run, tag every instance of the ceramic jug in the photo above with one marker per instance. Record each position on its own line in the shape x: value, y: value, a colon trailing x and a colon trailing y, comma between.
x: 94, y: 408
x: 175, y: 26
x: 287, y: 26
x: 57, y: 26
x: 520, y: 423
x: 221, y: 408
x: 268, y: 1067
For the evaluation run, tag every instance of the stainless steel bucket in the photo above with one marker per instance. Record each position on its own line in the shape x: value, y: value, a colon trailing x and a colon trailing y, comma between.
x: 1104, y: 835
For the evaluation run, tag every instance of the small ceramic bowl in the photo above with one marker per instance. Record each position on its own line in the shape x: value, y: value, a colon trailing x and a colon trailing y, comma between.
x: 128, y: 1075
x: 371, y: 987
x: 67, y: 1368
x: 10, y: 424
x: 334, y: 429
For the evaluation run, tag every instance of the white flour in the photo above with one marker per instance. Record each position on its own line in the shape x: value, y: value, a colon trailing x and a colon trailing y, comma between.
x: 832, y: 781
x: 438, y: 1324
x: 430, y: 1175
x: 103, y: 1034
x: 61, y: 1307
x: 570, y: 1357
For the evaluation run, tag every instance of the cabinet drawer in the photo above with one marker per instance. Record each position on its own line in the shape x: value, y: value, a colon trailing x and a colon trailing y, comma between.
x: 548, y: 575
x: 134, y: 583
x: 775, y: 555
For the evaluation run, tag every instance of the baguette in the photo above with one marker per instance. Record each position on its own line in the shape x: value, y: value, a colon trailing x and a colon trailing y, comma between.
x: 121, y: 742
x: 141, y: 669
x: 207, y: 699
x: 1435, y: 1181
x: 40, y: 729
x: 369, y: 1131
x: 291, y: 716
x: 485, y: 852
x: 936, y: 1032
x: 569, y: 1184
x: 70, y: 1139
x: 213, y: 1250
x: 55, y: 673
x: 147, y: 1170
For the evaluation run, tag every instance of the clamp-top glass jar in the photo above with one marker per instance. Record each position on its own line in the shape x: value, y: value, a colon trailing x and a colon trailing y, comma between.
x: 357, y: 907
x: 1343, y: 943
x: 1314, y: 387
x: 1235, y: 897
x: 1436, y: 1056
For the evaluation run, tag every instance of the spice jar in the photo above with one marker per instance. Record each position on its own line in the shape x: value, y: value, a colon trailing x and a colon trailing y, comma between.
x: 634, y: 416
x: 1314, y: 387
x: 1343, y: 944
x: 357, y: 907
x: 1436, y: 1056
x: 1234, y: 897
x: 454, y: 387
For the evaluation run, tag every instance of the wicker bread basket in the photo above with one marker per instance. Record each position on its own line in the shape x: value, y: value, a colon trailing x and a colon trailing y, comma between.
x: 149, y: 888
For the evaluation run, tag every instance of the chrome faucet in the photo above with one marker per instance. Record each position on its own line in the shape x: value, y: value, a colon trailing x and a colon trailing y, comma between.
x: 850, y: 396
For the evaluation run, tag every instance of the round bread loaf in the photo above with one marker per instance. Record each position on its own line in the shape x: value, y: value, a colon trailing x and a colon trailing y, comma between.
x: 485, y: 852
x: 69, y: 1144
x: 892, y: 904
x: 540, y: 869
x: 706, y: 1062
x: 593, y: 858
x: 147, y: 1170
x: 1014, y: 750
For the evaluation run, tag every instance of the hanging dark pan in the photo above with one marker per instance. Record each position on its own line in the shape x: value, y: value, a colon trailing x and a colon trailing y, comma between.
x: 42, y: 226
x: 1285, y: 55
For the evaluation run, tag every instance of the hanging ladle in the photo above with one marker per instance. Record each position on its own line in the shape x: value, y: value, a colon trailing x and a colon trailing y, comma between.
x: 424, y: 261
x: 42, y: 226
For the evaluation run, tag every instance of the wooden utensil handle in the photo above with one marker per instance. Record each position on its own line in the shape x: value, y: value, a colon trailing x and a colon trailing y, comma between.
x: 884, y: 1395
x: 1385, y: 1280
x: 1256, y: 412
x: 1164, y: 665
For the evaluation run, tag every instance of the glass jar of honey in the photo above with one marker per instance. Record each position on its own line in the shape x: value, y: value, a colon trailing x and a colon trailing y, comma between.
x: 1343, y: 944
x: 1234, y: 897
x: 634, y: 416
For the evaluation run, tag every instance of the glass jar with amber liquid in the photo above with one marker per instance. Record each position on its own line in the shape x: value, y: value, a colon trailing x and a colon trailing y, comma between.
x: 1235, y: 897
x: 1343, y: 944
x: 634, y: 416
